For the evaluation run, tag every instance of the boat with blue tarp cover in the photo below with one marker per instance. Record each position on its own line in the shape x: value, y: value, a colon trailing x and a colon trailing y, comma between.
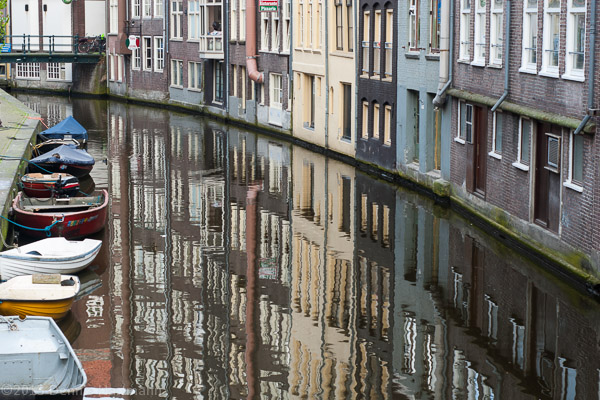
x: 68, y: 128
x: 65, y: 158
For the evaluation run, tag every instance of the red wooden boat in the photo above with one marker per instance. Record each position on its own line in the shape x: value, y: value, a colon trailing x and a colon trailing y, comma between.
x: 69, y: 217
x: 49, y: 185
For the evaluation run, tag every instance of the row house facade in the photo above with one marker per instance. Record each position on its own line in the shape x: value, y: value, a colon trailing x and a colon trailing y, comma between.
x: 377, y: 92
x: 520, y: 143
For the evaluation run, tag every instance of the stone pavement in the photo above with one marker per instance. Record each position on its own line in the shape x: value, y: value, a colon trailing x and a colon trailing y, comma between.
x: 17, y: 134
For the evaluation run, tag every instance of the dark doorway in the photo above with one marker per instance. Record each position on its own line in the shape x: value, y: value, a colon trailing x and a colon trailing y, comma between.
x: 547, y: 176
x: 476, y: 138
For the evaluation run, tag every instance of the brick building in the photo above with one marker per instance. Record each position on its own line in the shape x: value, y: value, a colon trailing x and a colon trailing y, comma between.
x: 514, y: 152
x: 377, y: 29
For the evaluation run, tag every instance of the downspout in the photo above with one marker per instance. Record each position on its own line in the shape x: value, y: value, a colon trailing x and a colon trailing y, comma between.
x: 506, y: 58
x: 325, y: 37
x: 251, y: 66
x: 447, y: 53
x: 592, y: 69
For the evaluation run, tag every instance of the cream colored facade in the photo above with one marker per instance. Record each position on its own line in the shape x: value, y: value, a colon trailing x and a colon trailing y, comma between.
x: 310, y: 89
x: 342, y: 77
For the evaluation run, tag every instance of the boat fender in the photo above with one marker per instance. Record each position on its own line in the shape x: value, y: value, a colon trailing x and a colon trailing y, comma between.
x: 67, y: 282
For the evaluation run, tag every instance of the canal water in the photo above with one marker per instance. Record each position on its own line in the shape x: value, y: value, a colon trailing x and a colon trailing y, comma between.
x: 236, y: 265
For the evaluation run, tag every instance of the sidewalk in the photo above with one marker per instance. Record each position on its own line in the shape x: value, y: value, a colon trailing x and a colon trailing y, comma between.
x: 16, y: 134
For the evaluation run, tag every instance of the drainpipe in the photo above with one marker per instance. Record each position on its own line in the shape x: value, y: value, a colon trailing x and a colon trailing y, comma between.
x: 591, y: 70
x: 506, y: 58
x: 447, y: 52
x: 325, y: 38
x: 251, y: 66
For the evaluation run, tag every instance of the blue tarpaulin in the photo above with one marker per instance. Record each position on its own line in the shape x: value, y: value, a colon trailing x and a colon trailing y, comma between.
x: 65, y: 154
x: 66, y: 129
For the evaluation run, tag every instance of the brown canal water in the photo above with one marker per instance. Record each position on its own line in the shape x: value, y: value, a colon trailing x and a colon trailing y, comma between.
x: 236, y: 266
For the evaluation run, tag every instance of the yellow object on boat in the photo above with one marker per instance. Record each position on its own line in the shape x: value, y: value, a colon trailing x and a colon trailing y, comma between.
x: 55, y: 309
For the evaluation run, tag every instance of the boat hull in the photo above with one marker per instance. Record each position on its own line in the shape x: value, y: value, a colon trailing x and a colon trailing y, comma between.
x: 55, y: 309
x: 71, y: 225
x: 75, y: 170
x: 49, y: 185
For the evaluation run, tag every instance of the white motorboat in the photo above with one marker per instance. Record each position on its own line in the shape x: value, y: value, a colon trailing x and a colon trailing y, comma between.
x: 55, y: 255
x: 37, y: 359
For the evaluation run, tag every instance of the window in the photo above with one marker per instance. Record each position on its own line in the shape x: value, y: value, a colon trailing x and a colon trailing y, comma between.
x: 575, y: 56
x: 136, y: 9
x: 136, y: 58
x: 193, y: 20
x: 218, y: 82
x: 496, y: 32
x: 480, y: 19
x: 176, y: 17
x: 347, y: 111
x: 114, y: 16
x: 366, y: 42
x: 147, y: 6
x: 465, y: 132
x: 339, y: 25
x: 387, y: 121
x: 233, y: 20
x: 177, y: 73
x: 158, y: 8
x: 147, y: 49
x: 301, y: 33
x: 413, y: 25
x: 365, y: 120
x: 497, y: 135
x: 234, y: 80
x: 276, y: 91
x: 195, y: 75
x: 465, y: 30
x: 377, y: 44
x: 525, y: 134
x: 309, y: 106
x: 111, y: 67
x: 319, y: 24
x: 575, y: 178
x: 350, y: 19
x: 551, y: 28
x: 287, y: 25
x: 243, y: 20
x: 120, y: 68
x: 530, y: 31
x: 435, y: 25
x: 264, y: 31
x: 159, y: 54
x: 376, y: 118
x: 211, y: 34
x: 243, y: 87
x: 310, y: 24
x: 56, y: 71
x: 389, y: 42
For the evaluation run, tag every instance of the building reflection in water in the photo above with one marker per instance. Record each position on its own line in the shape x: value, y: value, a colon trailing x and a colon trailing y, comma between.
x: 238, y: 266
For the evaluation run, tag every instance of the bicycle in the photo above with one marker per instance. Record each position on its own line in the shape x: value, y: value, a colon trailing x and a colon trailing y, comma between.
x: 91, y: 45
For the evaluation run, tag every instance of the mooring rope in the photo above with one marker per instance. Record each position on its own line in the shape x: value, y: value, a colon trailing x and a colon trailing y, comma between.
x: 23, y: 159
x: 46, y: 229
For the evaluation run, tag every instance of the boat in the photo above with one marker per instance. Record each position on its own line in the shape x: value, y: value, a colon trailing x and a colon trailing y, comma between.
x: 69, y: 217
x: 46, y: 295
x: 55, y: 255
x: 36, y: 359
x: 66, y: 159
x: 49, y: 185
x: 68, y: 128
x: 47, y: 145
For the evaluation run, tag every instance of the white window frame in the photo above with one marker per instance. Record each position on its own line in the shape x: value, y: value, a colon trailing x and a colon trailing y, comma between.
x: 194, y: 20
x: 548, y: 48
x: 300, y: 33
x: 377, y: 43
x: 287, y: 26
x: 465, y: 30
x: 376, y: 119
x: 56, y: 71
x: 176, y: 19
x: 113, y: 26
x: 480, y: 36
x: 120, y: 68
x: 265, y: 25
x: 530, y: 14
x: 242, y: 20
x: 496, y: 32
x: 147, y: 8
x: 364, y: 134
x: 233, y: 20
x: 111, y: 68
x: 366, y: 43
x: 570, y: 183
x: 413, y: 25
x: 434, y: 27
x: 460, y: 135
x: 389, y: 43
x: 211, y: 41
x: 194, y: 75
x: 136, y: 9
x: 573, y: 13
x: 387, y: 128
x: 147, y: 53
x: 136, y: 59
x: 158, y: 8
x: 275, y: 32
x: 520, y: 164
x: 218, y: 70
x: 159, y: 54
x: 495, y: 121
x: 276, y: 91
x: 176, y: 73
x: 30, y: 71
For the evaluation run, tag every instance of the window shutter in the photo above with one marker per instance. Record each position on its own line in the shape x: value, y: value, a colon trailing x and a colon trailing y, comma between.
x: 553, y: 151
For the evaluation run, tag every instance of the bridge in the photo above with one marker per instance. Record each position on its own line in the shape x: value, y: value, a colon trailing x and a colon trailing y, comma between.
x: 49, y: 49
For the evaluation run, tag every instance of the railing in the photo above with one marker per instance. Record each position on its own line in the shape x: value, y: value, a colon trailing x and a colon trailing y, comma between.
x: 41, y: 44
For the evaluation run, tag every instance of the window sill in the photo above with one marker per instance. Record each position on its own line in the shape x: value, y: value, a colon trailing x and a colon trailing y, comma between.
x: 495, y: 66
x: 390, y: 79
x: 459, y: 140
x: 478, y: 63
x: 177, y: 39
x: 571, y: 77
x: 412, y: 55
x: 432, y: 57
x: 495, y: 155
x: 193, y: 89
x: 306, y: 126
x: 375, y: 77
x: 364, y: 76
x: 160, y: 71
x: 569, y: 184
x: 549, y: 74
x: 520, y: 166
x: 527, y: 70
x: 176, y: 87
x: 464, y: 61
x: 339, y: 53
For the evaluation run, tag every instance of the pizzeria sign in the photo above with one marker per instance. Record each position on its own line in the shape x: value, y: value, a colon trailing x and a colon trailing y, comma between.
x: 267, y: 5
